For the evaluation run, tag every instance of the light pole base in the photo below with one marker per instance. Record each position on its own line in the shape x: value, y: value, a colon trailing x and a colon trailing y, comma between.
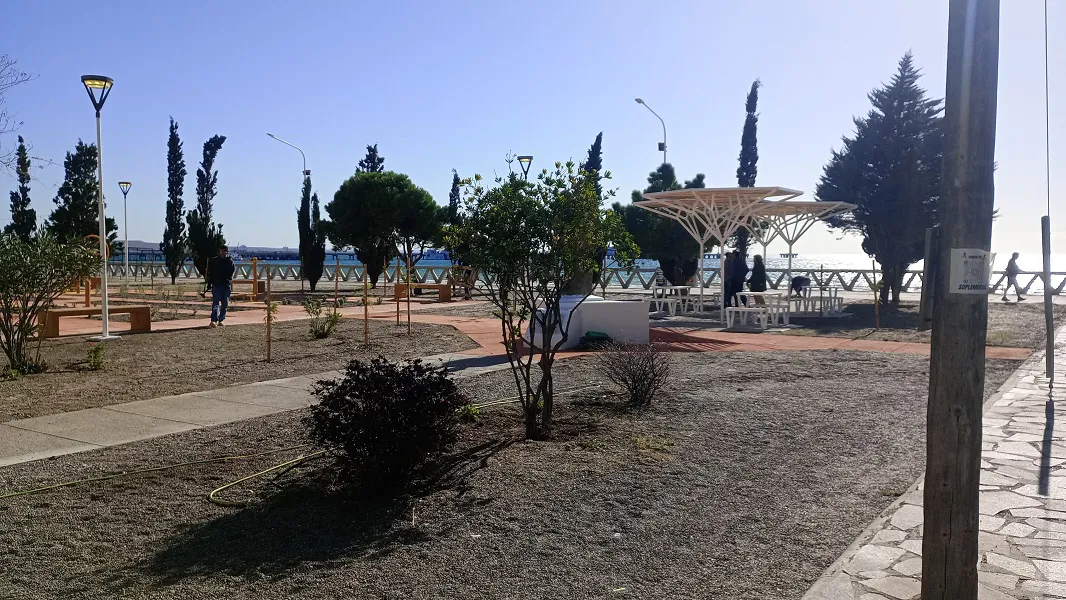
x: 103, y: 338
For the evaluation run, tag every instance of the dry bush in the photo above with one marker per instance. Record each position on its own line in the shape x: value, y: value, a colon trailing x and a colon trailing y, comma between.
x: 639, y: 369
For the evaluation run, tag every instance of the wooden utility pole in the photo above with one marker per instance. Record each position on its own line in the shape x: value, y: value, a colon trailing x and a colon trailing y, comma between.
x: 960, y: 309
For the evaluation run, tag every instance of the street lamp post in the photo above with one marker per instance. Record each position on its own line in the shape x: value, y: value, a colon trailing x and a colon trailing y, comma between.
x: 525, y: 161
x: 662, y: 145
x: 125, y: 187
x: 306, y: 174
x: 99, y: 88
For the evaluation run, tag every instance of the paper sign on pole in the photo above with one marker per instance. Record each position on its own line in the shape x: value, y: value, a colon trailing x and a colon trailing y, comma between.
x: 969, y: 271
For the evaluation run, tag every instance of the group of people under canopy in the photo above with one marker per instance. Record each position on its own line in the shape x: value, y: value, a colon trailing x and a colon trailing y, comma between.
x: 735, y: 274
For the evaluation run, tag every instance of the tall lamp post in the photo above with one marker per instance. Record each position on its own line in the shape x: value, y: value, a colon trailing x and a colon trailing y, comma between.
x: 125, y: 187
x: 306, y: 175
x: 662, y: 144
x: 99, y: 88
x: 525, y: 161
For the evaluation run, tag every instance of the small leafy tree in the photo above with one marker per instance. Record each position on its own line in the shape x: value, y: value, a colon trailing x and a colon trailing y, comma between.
x: 174, y: 241
x: 890, y: 168
x: 76, y: 214
x: 23, y: 217
x: 419, y: 221
x: 530, y: 239
x: 32, y: 275
x: 205, y: 236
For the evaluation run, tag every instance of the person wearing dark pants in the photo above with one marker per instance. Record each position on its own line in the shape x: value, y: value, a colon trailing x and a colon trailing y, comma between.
x: 220, y: 276
x: 740, y: 275
x: 1012, y: 278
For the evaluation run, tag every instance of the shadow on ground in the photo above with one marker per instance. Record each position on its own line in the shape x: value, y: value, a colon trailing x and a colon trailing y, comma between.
x: 303, y: 523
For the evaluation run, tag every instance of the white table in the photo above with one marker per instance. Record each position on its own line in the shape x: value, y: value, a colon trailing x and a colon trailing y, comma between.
x: 671, y: 296
x: 827, y: 301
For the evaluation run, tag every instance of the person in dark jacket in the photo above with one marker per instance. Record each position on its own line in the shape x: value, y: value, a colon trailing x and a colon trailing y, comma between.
x: 740, y: 275
x: 220, y: 276
x: 727, y: 278
x: 757, y: 283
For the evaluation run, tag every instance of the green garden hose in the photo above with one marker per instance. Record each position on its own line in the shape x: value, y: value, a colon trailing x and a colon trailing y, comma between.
x: 213, y: 496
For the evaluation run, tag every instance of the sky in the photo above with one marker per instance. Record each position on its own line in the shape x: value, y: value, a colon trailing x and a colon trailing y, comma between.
x: 457, y: 85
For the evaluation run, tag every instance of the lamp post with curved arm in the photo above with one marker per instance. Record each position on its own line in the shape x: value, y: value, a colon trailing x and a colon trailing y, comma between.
x: 662, y: 146
x: 307, y: 174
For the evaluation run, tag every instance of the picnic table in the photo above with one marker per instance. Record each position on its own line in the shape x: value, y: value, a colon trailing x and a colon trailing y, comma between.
x: 825, y: 299
x: 670, y: 297
x: 765, y: 307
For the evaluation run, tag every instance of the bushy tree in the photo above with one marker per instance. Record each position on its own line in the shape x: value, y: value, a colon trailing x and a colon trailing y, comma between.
x: 364, y: 215
x: 659, y: 238
x: 33, y: 274
x: 174, y: 241
x: 205, y: 236
x: 77, y: 213
x: 372, y: 162
x: 749, y: 157
x: 890, y: 168
x: 419, y: 221
x: 531, y: 239
x: 316, y: 249
x: 23, y: 217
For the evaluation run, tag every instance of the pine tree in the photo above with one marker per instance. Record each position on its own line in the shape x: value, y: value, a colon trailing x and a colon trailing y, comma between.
x: 372, y: 162
x: 749, y: 157
x: 453, y: 200
x: 696, y: 182
x: 316, y: 250
x: 594, y: 162
x: 174, y: 241
x: 303, y: 225
x: 205, y: 237
x: 890, y: 168
x: 23, y: 218
x: 76, y: 214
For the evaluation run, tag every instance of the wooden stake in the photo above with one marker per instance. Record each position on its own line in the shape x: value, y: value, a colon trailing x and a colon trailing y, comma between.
x: 409, y: 292
x: 395, y: 286
x: 269, y: 318
x: 960, y: 312
x: 366, y: 309
x: 255, y: 278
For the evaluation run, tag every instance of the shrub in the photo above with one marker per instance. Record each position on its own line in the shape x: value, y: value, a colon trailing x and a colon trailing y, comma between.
x: 324, y: 320
x: 639, y: 369
x: 384, y: 420
x: 469, y: 413
x: 94, y: 360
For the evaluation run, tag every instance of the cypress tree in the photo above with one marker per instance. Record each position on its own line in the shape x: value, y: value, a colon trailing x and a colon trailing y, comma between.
x: 453, y: 200
x: 205, y: 236
x: 303, y: 226
x: 174, y: 241
x: 316, y: 248
x: 593, y: 164
x: 372, y: 162
x: 23, y: 218
x: 749, y: 156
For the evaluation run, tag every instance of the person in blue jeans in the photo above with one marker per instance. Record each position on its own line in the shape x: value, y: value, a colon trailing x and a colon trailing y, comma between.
x: 220, y: 276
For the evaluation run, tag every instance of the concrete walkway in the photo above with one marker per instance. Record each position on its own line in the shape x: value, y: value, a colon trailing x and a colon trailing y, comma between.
x: 25, y: 440
x: 1023, y: 531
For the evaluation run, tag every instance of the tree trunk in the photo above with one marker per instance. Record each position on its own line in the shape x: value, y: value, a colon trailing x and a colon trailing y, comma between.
x: 546, y: 397
x: 897, y: 281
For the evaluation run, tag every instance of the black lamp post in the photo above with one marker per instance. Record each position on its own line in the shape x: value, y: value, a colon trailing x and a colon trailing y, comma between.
x: 525, y: 161
x: 125, y: 187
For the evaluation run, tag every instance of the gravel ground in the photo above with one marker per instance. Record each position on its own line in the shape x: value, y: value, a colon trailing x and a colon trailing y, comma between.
x: 747, y: 488
x: 143, y: 366
x: 1019, y: 325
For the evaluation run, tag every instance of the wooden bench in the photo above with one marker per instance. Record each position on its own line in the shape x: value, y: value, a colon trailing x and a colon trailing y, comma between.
x: 443, y: 290
x: 140, y: 317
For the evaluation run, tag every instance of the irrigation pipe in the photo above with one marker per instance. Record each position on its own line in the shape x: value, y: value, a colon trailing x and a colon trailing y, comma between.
x: 213, y: 496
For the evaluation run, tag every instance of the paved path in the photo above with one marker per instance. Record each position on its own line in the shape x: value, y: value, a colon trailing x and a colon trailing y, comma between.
x: 1023, y: 532
x: 66, y: 433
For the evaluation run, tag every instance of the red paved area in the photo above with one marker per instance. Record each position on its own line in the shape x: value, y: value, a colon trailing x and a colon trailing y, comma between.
x: 486, y: 332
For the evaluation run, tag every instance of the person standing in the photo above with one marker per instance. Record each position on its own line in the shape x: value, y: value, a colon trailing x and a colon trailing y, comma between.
x: 757, y: 282
x: 740, y: 275
x: 220, y: 276
x: 727, y: 279
x: 1012, y: 278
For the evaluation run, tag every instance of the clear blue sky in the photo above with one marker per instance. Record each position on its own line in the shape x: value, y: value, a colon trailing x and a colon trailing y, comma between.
x: 456, y: 85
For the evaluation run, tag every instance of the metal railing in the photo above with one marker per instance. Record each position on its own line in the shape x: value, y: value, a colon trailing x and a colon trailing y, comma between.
x: 848, y: 279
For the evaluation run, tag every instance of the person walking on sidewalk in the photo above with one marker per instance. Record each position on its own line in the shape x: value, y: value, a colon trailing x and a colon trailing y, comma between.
x: 1012, y: 278
x: 220, y: 276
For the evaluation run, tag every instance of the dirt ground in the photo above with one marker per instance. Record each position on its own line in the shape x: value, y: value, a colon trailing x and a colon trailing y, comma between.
x: 747, y: 477
x: 1019, y: 325
x: 142, y: 366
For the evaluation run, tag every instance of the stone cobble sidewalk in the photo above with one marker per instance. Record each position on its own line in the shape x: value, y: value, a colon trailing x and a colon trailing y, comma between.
x: 1023, y: 531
